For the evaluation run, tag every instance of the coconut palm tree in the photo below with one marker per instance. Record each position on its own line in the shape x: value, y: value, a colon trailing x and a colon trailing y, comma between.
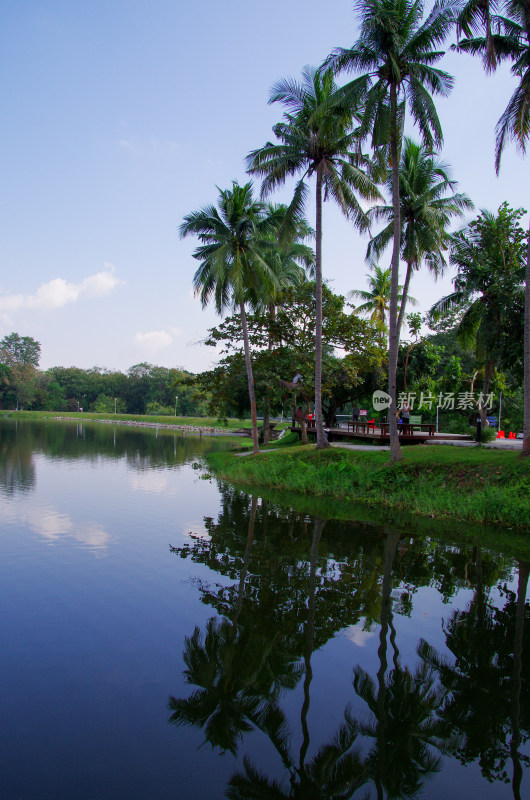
x: 377, y: 297
x: 396, y: 53
x: 426, y: 212
x: 233, y: 239
x: 316, y: 138
x: 290, y: 260
x: 505, y: 25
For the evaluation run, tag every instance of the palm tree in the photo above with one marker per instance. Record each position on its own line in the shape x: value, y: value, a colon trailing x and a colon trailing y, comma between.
x: 290, y: 260
x: 396, y: 52
x: 232, y: 268
x: 316, y: 138
x: 506, y: 36
x: 377, y: 298
x: 425, y: 215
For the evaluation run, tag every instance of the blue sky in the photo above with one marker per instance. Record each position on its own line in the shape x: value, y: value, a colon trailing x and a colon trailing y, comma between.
x: 120, y: 117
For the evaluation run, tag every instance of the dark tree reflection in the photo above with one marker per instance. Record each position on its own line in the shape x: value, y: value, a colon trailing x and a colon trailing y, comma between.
x: 17, y: 470
x: 487, y: 681
x: 294, y: 583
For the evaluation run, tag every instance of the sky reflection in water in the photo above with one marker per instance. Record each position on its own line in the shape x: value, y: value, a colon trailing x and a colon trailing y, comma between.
x: 325, y: 659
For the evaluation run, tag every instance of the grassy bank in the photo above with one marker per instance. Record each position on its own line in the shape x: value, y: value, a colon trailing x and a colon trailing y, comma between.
x: 194, y: 422
x: 471, y: 484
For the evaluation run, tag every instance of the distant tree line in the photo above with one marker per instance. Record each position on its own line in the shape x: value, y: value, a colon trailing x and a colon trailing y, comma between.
x: 142, y: 389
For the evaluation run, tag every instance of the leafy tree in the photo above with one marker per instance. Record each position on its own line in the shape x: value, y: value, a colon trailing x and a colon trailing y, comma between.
x: 54, y: 398
x: 316, y: 138
x: 396, y: 51
x: 232, y: 268
x: 292, y: 329
x: 489, y: 255
x: 16, y: 350
x: 505, y: 25
x: 19, y: 356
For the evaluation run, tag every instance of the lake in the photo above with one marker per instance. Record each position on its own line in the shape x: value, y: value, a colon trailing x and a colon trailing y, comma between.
x: 164, y: 635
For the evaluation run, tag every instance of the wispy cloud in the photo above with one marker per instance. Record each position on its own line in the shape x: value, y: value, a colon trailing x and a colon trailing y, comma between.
x: 153, y: 341
x: 148, y: 146
x: 59, y: 292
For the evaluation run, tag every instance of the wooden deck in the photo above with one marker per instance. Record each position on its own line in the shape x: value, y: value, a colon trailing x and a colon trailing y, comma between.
x: 408, y: 434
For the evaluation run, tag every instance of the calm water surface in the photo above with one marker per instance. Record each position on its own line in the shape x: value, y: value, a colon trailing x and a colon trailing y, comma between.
x: 165, y: 636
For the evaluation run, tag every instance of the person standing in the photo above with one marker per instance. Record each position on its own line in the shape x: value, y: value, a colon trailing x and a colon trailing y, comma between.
x: 405, y: 413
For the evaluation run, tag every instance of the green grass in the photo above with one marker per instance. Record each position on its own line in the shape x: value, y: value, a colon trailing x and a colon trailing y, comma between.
x: 472, y: 484
x: 196, y: 422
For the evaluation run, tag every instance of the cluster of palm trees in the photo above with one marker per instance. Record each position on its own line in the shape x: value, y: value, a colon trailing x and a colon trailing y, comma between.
x: 350, y: 139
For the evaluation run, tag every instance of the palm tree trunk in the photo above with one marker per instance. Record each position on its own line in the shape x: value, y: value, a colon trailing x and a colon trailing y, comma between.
x: 246, y: 561
x: 524, y: 569
x: 404, y: 297
x: 526, y: 441
x: 395, y: 448
x: 267, y: 413
x: 309, y: 639
x: 489, y: 369
x: 250, y: 378
x: 266, y: 421
x: 391, y: 543
x: 321, y: 436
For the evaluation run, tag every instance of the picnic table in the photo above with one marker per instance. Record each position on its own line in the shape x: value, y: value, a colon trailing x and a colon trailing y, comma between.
x: 404, y: 429
x: 408, y: 428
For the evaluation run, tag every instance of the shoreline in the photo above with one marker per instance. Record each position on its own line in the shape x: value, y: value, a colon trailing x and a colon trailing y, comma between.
x: 455, y: 485
x: 198, y: 430
x: 205, y: 430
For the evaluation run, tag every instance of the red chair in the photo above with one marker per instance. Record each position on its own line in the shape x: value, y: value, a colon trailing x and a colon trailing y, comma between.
x: 511, y: 435
x: 500, y: 435
x: 371, y: 424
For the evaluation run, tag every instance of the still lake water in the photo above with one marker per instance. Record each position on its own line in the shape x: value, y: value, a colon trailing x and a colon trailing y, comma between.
x: 166, y: 636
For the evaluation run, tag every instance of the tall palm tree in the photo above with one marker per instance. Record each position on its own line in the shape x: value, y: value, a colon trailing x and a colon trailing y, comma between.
x: 316, y: 138
x: 505, y: 25
x: 396, y: 52
x: 425, y: 214
x: 290, y: 259
x: 233, y: 237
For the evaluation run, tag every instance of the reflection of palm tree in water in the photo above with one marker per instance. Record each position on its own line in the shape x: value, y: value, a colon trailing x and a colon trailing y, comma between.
x: 524, y: 570
x: 403, y: 708
x: 484, y: 682
x: 232, y: 667
x: 239, y: 672
x: 240, y: 676
x: 337, y: 769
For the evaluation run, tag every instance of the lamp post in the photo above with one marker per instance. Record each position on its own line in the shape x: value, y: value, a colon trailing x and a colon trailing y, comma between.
x: 176, y: 398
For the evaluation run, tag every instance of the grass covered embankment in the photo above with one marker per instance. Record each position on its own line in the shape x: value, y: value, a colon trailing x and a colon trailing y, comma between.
x: 474, y: 484
x: 200, y: 423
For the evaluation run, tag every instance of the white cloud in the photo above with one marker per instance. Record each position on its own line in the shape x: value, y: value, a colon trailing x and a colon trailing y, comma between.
x: 49, y: 523
x: 357, y: 634
x: 152, y: 482
x: 153, y: 341
x: 58, y: 292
